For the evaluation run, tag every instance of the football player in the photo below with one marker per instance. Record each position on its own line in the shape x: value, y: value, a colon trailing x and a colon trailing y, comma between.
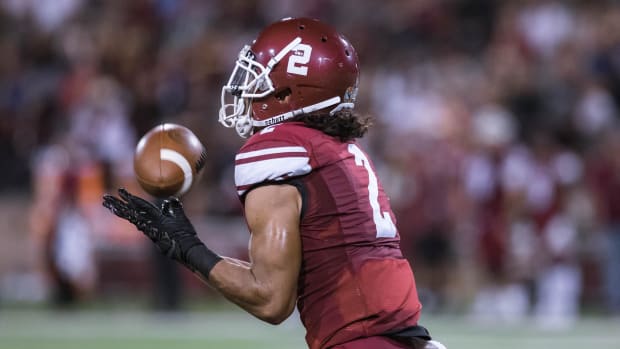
x: 322, y: 233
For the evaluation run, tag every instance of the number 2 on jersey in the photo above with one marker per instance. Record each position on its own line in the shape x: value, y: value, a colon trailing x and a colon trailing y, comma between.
x: 383, y: 220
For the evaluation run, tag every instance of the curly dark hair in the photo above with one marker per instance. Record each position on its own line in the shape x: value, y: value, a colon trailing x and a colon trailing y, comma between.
x: 344, y: 124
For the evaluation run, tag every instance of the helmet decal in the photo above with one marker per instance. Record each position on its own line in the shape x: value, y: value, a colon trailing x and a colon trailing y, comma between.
x: 350, y: 94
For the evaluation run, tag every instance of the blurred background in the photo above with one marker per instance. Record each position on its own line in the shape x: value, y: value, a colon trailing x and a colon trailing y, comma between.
x: 497, y: 136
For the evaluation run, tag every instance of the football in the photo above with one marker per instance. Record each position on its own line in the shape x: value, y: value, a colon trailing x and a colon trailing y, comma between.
x: 168, y: 160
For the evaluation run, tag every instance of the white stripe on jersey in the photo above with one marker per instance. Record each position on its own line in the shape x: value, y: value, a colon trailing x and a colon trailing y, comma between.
x: 269, y: 151
x: 273, y: 169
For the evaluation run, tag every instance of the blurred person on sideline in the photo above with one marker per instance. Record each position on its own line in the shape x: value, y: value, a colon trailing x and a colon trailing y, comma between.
x: 606, y: 179
x: 559, y: 276
x: 492, y: 174
x: 323, y: 235
x: 100, y: 122
x: 60, y: 226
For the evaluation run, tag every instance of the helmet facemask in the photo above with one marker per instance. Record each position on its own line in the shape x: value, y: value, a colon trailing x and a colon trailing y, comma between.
x: 248, y: 80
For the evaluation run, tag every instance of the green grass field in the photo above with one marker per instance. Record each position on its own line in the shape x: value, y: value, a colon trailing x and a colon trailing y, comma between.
x: 230, y: 329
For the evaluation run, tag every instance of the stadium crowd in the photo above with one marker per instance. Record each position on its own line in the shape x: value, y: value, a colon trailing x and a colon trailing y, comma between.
x: 496, y: 131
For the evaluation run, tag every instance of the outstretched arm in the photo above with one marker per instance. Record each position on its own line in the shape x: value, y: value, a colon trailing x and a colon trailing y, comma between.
x: 266, y: 286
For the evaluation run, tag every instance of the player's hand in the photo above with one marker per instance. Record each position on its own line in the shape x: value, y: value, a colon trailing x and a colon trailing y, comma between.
x: 167, y: 226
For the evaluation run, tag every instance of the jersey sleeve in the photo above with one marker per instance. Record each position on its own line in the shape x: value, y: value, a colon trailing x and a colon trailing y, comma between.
x: 270, y: 157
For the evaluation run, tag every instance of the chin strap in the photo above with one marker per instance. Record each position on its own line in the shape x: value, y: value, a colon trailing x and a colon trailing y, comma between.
x: 305, y: 110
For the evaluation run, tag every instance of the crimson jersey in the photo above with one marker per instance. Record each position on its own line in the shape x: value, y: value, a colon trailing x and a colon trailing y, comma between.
x: 354, y: 281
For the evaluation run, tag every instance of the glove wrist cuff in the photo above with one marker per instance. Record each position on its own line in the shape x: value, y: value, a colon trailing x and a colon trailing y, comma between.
x: 201, y: 259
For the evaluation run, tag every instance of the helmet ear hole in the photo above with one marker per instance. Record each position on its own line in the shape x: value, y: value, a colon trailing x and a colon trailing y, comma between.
x: 282, y: 94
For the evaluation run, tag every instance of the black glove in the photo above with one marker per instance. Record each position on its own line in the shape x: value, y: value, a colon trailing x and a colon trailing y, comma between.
x: 168, y: 227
